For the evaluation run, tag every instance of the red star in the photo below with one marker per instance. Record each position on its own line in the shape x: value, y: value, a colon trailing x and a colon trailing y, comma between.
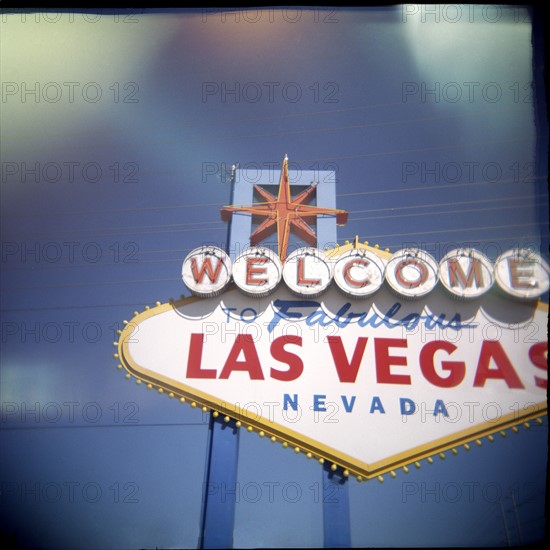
x: 284, y: 214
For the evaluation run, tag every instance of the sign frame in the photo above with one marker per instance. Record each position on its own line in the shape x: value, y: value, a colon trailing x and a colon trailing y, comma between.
x: 302, y: 444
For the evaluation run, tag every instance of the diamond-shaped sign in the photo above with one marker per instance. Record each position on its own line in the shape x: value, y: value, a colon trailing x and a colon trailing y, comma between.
x: 369, y: 385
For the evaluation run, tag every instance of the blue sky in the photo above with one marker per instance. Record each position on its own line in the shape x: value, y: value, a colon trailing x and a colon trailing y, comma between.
x: 113, y: 169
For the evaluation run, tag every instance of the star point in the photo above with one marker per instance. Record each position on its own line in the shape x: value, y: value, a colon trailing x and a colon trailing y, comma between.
x: 284, y: 214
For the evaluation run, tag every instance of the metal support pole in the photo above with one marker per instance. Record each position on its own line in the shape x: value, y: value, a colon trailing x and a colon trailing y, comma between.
x: 220, y: 488
x: 336, y: 522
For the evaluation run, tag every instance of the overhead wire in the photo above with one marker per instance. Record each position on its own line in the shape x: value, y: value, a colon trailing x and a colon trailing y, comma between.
x: 138, y: 261
x: 366, y: 125
x: 192, y: 226
x: 358, y: 193
x: 489, y: 240
x: 172, y: 279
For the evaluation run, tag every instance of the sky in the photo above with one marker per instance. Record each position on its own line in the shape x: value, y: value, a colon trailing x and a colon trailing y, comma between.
x: 118, y: 130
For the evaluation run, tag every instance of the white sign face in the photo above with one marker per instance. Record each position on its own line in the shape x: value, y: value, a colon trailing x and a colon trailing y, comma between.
x: 466, y: 273
x: 359, y: 273
x: 412, y: 272
x: 257, y: 271
x: 206, y: 271
x: 522, y: 273
x: 370, y: 385
x: 307, y: 272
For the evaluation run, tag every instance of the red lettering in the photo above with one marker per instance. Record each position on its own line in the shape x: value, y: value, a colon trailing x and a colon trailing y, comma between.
x: 251, y: 363
x: 348, y: 278
x: 456, y: 273
x: 456, y: 369
x: 538, y: 353
x: 521, y: 273
x: 279, y: 353
x: 504, y: 371
x: 422, y: 273
x: 301, y: 280
x: 194, y: 360
x: 207, y: 268
x: 347, y: 370
x: 384, y: 361
x: 251, y: 271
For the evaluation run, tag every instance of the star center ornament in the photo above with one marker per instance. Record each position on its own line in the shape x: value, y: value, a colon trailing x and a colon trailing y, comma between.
x: 284, y: 214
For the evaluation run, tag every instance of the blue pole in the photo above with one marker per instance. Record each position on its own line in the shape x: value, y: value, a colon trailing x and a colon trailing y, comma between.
x: 220, y: 486
x: 336, y: 521
x: 220, y: 490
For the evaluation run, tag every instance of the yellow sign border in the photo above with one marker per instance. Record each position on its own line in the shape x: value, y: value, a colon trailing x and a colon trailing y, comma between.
x: 300, y: 443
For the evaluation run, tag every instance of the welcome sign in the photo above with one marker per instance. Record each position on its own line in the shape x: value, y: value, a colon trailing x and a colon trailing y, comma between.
x: 367, y: 360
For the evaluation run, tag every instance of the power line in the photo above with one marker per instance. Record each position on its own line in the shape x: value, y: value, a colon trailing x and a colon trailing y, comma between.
x: 390, y: 216
x: 89, y: 265
x: 359, y: 193
x: 138, y: 130
x: 478, y: 201
x: 342, y: 128
x: 119, y: 232
x: 376, y: 154
x: 179, y: 260
x: 94, y: 283
x: 523, y: 237
x: 119, y: 425
x: 89, y: 306
x: 481, y: 228
x: 394, y: 216
x: 140, y: 281
x: 438, y: 187
x: 219, y: 204
x: 477, y: 145
x: 117, y: 210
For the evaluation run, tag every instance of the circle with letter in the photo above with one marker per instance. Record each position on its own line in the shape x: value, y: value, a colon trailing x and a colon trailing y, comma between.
x: 206, y: 271
x: 411, y: 273
x: 466, y: 273
x: 257, y: 271
x: 359, y: 273
x: 522, y: 273
x: 307, y: 272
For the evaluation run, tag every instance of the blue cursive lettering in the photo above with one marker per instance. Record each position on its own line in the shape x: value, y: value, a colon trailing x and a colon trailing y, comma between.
x: 282, y: 309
